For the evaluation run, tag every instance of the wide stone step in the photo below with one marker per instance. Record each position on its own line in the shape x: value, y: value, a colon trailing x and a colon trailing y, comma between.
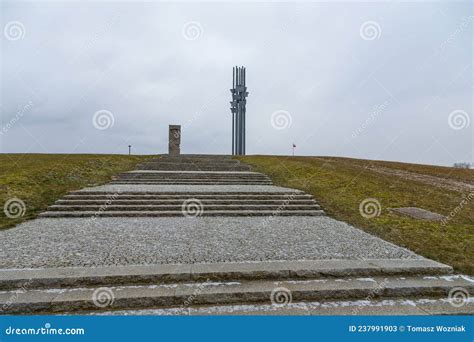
x: 180, y: 213
x: 43, y: 278
x: 201, y: 161
x: 180, y: 201
x: 192, y: 173
x: 190, y: 176
x: 184, y: 160
x: 224, y: 292
x: 190, y: 193
x: 187, y: 183
x: 191, y: 182
x: 195, y: 168
x: 171, y: 207
x: 363, y: 307
x: 171, y: 166
x: 197, y: 156
x: 203, y: 179
x: 184, y: 196
x: 177, y: 166
x: 195, y: 161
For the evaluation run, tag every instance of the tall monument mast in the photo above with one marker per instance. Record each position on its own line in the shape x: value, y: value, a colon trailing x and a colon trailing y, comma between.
x: 239, y: 96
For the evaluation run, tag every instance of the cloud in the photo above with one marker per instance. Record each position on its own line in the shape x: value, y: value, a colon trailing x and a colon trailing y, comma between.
x: 308, y: 59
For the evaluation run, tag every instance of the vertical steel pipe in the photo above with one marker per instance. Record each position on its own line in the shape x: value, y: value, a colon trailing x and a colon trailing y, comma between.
x: 239, y: 95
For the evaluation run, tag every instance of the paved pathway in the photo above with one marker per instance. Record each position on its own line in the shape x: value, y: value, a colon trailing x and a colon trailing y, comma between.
x: 60, y: 242
x: 99, y: 241
x: 176, y: 235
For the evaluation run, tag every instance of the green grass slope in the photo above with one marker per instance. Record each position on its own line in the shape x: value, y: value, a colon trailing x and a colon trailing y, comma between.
x: 341, y: 184
x: 39, y: 179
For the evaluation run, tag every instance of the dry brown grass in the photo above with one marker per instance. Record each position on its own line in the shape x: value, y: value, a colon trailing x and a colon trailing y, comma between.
x: 341, y: 184
x: 40, y: 179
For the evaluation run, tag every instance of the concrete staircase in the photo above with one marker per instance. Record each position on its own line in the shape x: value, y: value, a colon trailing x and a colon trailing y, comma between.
x: 192, y: 178
x: 194, y: 163
x: 178, y: 204
x: 284, y: 286
x: 220, y: 186
x: 176, y: 171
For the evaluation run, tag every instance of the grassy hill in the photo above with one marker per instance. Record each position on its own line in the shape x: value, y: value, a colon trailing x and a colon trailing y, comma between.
x: 339, y: 184
x: 39, y: 179
x: 342, y: 184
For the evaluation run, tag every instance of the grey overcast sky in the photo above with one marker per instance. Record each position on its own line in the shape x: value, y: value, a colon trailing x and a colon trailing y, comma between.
x: 376, y: 80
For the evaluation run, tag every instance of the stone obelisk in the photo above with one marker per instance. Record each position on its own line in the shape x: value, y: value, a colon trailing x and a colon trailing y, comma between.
x: 174, y: 140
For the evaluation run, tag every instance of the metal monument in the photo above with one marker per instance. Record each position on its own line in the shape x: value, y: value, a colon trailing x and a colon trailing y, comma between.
x: 239, y: 96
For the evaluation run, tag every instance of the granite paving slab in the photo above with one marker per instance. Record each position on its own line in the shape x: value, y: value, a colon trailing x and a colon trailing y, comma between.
x: 188, y: 188
x: 197, y: 172
x: 421, y: 306
x: 418, y: 213
x: 66, y: 242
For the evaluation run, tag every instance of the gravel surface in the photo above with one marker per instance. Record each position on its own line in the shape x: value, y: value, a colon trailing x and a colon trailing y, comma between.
x: 66, y: 242
x: 188, y: 188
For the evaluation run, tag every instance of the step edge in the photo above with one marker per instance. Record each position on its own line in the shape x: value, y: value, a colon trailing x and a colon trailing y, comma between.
x: 146, y: 296
x: 305, y: 269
